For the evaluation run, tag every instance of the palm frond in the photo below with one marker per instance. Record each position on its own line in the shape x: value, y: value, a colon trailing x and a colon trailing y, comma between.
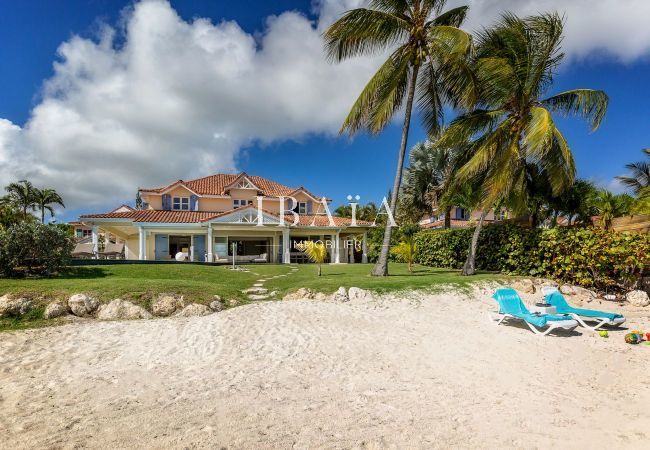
x: 454, y: 17
x: 364, y: 107
x: 363, y: 32
x: 587, y: 103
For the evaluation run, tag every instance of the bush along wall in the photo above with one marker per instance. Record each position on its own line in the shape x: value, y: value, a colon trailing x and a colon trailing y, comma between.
x: 589, y: 257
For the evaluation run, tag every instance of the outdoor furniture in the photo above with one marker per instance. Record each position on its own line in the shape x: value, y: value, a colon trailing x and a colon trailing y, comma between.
x: 182, y: 256
x: 511, y: 307
x: 114, y: 250
x: 584, y: 315
x: 83, y: 251
x: 261, y: 258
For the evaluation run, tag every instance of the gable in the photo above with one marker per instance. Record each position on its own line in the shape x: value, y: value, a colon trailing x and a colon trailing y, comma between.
x: 245, y: 215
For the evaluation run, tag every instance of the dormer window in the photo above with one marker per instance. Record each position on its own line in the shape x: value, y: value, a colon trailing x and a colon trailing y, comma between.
x: 302, y: 207
x: 181, y: 203
x: 237, y: 203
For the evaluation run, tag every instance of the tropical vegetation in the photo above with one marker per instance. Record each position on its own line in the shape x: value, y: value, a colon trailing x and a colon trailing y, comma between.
x: 426, y: 62
x: 591, y: 257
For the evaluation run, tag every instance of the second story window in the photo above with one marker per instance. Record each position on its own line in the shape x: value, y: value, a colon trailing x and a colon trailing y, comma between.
x: 302, y: 207
x: 181, y: 204
x: 237, y: 203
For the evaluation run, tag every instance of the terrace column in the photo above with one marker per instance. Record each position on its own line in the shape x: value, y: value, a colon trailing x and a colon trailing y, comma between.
x: 141, y: 242
x: 337, y: 248
x: 286, y: 249
x: 95, y: 231
x: 364, y: 248
x: 210, y: 259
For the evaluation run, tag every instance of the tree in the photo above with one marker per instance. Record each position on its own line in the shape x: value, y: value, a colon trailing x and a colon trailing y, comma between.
x: 639, y: 178
x: 609, y: 206
x: 21, y: 194
x: 427, y: 59
x: 316, y: 252
x: 43, y: 198
x: 426, y: 179
x: 138, y: 201
x: 575, y: 203
x: 512, y: 126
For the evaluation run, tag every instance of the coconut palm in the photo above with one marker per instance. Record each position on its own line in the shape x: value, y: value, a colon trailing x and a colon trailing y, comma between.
x: 406, y: 249
x: 21, y: 194
x: 428, y: 176
x: 609, y: 206
x: 428, y: 51
x: 43, y: 198
x: 639, y: 178
x: 513, y: 127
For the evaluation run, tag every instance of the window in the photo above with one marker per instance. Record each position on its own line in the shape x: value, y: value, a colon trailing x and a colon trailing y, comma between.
x: 462, y: 214
x: 237, y: 203
x: 81, y: 233
x: 302, y: 207
x: 501, y: 215
x: 181, y: 204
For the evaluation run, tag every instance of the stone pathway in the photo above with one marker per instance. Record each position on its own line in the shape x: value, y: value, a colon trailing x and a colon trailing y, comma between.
x: 259, y: 292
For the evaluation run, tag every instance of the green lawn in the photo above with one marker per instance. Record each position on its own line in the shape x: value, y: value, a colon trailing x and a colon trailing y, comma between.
x: 141, y: 283
x: 358, y: 275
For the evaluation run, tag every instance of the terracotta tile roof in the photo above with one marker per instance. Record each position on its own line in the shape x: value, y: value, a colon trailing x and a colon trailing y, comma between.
x: 150, y: 215
x: 217, y: 184
x: 155, y: 216
x: 455, y: 223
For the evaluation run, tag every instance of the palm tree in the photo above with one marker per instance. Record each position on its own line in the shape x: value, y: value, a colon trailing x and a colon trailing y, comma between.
x: 575, y: 203
x: 316, y: 252
x: 513, y: 127
x: 639, y: 178
x: 43, y: 198
x: 427, y: 177
x: 428, y: 50
x: 21, y: 194
x: 609, y: 206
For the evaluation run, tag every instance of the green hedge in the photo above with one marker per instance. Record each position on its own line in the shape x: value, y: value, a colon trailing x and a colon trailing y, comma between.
x: 586, y: 256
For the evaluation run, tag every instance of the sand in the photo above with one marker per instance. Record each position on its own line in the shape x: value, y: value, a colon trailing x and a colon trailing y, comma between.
x: 410, y: 372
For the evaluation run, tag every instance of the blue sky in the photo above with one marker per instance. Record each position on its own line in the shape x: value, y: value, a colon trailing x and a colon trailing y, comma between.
x: 314, y: 156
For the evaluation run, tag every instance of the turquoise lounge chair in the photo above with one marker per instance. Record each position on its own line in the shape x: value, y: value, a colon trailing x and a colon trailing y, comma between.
x: 556, y: 299
x: 511, y: 307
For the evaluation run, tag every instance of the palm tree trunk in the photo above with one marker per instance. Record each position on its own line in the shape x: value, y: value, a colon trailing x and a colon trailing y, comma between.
x: 319, y: 269
x: 470, y: 264
x: 381, y: 267
x: 448, y: 217
x: 42, y: 215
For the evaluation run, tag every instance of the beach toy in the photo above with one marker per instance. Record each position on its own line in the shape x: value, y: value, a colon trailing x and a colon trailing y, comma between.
x: 604, y: 334
x: 632, y: 338
x: 647, y: 336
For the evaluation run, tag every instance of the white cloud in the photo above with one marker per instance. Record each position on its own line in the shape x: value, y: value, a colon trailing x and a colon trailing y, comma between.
x: 619, y: 28
x: 180, y: 99
x: 177, y: 99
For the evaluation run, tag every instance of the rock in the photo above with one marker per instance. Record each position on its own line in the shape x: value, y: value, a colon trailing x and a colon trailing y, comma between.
x: 216, y: 305
x: 120, y: 309
x: 638, y: 298
x: 233, y: 302
x: 11, y: 307
x: 358, y: 293
x: 300, y: 294
x: 194, y: 309
x: 341, y: 295
x: 568, y: 289
x: 255, y: 290
x: 525, y: 286
x: 167, y: 304
x: 54, y: 310
x: 82, y: 305
x: 320, y: 296
x: 584, y: 295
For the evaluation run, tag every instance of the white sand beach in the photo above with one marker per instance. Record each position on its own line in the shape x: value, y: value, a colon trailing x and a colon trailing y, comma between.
x: 419, y: 372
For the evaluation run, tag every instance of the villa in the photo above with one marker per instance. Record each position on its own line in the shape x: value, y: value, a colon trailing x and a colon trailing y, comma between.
x: 225, y: 216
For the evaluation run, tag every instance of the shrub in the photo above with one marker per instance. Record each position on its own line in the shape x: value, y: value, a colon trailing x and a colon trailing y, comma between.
x: 585, y: 256
x: 33, y: 248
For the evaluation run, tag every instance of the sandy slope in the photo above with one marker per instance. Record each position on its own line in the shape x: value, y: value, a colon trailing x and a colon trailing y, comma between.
x: 424, y: 372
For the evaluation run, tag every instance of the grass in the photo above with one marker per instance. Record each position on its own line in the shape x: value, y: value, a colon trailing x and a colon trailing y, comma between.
x: 358, y: 275
x: 141, y: 283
